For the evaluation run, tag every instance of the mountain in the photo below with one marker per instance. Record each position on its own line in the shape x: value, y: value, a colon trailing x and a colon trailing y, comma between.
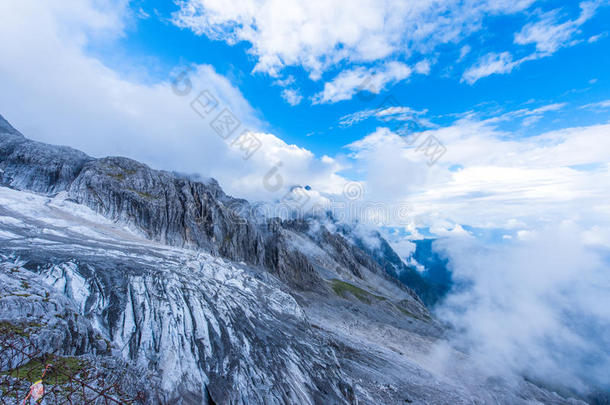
x: 430, y: 286
x: 158, y: 275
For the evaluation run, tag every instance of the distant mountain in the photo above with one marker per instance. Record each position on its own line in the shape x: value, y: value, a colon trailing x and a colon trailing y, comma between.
x: 436, y: 272
x: 430, y: 285
x: 159, y: 276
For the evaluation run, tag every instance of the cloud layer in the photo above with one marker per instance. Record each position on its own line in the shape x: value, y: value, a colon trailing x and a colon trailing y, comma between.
x: 378, y: 42
x: 485, y: 178
x: 536, y: 306
x: 319, y: 34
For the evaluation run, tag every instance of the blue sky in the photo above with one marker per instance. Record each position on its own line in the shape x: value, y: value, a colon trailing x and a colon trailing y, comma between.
x: 515, y: 93
x: 575, y: 74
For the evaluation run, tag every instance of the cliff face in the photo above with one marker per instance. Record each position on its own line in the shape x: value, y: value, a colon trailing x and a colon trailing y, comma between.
x: 163, y: 206
x: 145, y: 269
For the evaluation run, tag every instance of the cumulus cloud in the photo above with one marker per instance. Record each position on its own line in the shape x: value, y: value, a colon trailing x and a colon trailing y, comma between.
x: 465, y: 50
x: 320, y: 34
x: 405, y: 250
x: 292, y: 96
x: 423, y: 67
x: 360, y: 79
x: 287, y: 81
x: 55, y: 92
x: 279, y: 167
x: 392, y: 168
x: 489, y: 179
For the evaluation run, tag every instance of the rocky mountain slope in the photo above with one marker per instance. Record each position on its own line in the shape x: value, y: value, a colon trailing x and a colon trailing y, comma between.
x: 210, y: 307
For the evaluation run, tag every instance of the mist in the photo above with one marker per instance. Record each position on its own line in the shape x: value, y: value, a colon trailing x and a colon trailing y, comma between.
x: 535, y: 305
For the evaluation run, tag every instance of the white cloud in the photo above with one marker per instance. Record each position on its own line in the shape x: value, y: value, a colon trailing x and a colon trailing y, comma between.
x: 594, y: 38
x: 542, y: 178
x: 292, y: 96
x: 395, y: 113
x: 529, y: 116
x: 287, y: 81
x: 533, y: 116
x: 296, y: 166
x: 465, y: 50
x: 423, y: 67
x: 549, y: 35
x: 398, y: 113
x: 53, y: 91
x: 360, y: 79
x: 383, y: 157
x: 320, y: 34
x: 143, y: 14
x: 534, y: 306
x: 405, y: 249
x: 496, y: 63
x: 492, y: 63
x: 599, y: 105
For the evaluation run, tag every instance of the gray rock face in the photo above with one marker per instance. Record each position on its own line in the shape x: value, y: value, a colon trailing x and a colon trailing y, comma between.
x: 37, y: 318
x: 35, y: 166
x: 179, y: 212
x: 51, y: 318
x: 165, y: 207
x: 383, y: 256
x: 207, y: 328
x: 161, y: 272
x: 352, y: 256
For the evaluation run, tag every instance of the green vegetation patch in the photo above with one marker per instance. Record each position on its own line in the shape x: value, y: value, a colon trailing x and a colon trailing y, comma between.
x: 147, y: 196
x: 58, y: 373
x: 142, y: 194
x: 118, y: 176
x: 20, y: 329
x: 411, y: 314
x: 121, y: 175
x: 407, y: 313
x: 341, y: 288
